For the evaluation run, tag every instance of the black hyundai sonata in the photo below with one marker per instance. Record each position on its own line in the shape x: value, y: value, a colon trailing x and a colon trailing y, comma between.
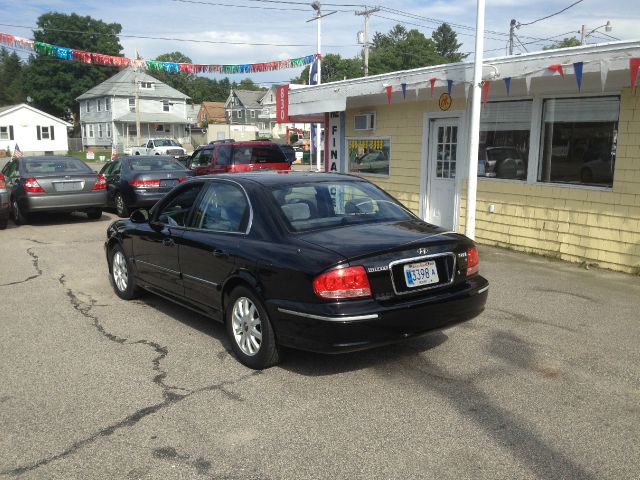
x: 321, y: 262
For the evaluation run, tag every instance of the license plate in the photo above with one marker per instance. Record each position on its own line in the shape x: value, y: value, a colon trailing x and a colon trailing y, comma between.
x: 419, y: 274
x: 168, y: 183
x: 67, y: 186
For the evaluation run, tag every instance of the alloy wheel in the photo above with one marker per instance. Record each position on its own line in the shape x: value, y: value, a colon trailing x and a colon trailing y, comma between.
x: 247, y: 326
x: 120, y: 272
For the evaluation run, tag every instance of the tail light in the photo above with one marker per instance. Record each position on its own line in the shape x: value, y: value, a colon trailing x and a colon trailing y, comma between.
x: 31, y: 185
x: 144, y: 183
x: 3, y: 183
x: 101, y: 183
x: 180, y: 180
x: 472, y: 261
x: 350, y: 282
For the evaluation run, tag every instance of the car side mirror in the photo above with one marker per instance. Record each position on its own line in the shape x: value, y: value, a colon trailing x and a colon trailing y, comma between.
x: 139, y: 216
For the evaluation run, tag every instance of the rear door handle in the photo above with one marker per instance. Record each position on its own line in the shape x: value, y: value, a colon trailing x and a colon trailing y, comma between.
x: 220, y: 253
x: 168, y: 242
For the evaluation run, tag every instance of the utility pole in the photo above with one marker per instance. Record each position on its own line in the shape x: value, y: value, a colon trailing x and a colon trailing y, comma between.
x: 512, y: 33
x: 137, y: 97
x: 583, y: 35
x: 366, y: 13
x: 474, y: 135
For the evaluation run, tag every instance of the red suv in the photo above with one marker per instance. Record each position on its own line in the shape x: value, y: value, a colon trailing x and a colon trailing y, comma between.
x: 233, y: 157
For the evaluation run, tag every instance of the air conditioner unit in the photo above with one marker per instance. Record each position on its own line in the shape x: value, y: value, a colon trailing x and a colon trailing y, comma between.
x: 365, y: 121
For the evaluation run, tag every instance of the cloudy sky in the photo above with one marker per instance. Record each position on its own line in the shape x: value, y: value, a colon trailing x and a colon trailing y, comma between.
x: 282, y: 25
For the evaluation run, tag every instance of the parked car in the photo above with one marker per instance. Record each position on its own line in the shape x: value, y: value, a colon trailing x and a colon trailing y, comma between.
x: 53, y: 184
x: 501, y: 162
x: 320, y: 262
x: 159, y: 146
x: 137, y: 181
x: 4, y: 203
x: 372, y: 162
x: 232, y: 157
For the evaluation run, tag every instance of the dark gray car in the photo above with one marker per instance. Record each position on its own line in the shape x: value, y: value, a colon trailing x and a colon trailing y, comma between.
x: 4, y: 203
x: 53, y: 183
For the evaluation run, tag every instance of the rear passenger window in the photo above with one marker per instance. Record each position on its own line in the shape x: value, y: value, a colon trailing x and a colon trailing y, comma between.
x: 243, y: 154
x: 224, y: 208
x: 223, y: 155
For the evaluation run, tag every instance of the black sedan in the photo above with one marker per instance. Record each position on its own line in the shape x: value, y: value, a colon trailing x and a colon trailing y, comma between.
x: 52, y: 184
x: 140, y: 181
x: 321, y: 262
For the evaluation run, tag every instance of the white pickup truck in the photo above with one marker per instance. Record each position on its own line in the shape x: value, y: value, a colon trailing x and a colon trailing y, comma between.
x: 159, y: 146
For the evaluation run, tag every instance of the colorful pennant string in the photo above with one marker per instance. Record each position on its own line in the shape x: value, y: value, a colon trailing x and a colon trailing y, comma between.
x: 63, y: 53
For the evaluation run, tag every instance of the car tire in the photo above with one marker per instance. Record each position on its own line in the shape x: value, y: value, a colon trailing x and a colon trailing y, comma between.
x: 249, y: 330
x: 19, y: 217
x: 121, y: 207
x: 94, y: 213
x: 3, y: 223
x: 122, y: 279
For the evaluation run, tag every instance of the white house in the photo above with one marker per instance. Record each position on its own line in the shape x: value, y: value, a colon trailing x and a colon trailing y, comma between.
x: 35, y: 132
x: 108, y: 111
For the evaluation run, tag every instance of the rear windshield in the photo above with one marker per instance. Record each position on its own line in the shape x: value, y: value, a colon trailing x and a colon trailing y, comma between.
x: 243, y: 154
x: 56, y: 165
x: 324, y: 205
x: 154, y: 164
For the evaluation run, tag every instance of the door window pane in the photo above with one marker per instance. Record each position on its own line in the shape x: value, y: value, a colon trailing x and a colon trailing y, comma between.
x: 176, y: 211
x: 578, y: 142
x: 446, y: 152
x: 505, y: 129
x: 223, y: 208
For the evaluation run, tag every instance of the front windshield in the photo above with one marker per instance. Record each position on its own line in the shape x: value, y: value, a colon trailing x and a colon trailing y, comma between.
x: 165, y: 142
x: 323, y: 205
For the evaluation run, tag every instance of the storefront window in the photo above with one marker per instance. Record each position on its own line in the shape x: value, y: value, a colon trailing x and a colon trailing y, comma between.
x: 369, y: 155
x: 504, y: 140
x: 578, y: 142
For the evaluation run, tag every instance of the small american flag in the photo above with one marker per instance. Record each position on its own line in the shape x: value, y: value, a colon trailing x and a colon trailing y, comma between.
x: 114, y: 152
x: 17, y: 153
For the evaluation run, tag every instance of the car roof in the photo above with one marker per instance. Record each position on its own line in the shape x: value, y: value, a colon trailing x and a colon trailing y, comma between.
x: 40, y: 158
x: 243, y: 143
x: 145, y: 157
x: 285, y: 177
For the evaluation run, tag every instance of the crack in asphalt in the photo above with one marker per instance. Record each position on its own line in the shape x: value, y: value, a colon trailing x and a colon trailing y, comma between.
x: 35, y: 260
x: 170, y: 396
x: 526, y: 318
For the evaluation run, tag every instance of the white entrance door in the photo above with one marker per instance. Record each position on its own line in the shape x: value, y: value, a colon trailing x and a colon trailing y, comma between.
x: 443, y: 155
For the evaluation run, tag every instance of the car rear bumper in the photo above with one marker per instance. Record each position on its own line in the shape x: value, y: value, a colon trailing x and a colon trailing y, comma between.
x: 335, y: 329
x: 69, y: 202
x: 145, y: 199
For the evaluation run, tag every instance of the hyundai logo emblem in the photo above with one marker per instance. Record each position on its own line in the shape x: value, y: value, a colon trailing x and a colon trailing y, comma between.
x: 423, y: 251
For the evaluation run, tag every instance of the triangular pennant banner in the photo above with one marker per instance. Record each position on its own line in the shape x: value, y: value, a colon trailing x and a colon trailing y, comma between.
x: 577, y: 69
x: 389, y: 89
x: 527, y: 81
x: 486, y: 85
x: 507, y: 84
x: 634, y: 65
x: 466, y: 91
x: 417, y: 91
x: 404, y: 90
x: 432, y: 81
x: 556, y: 68
x: 449, y: 86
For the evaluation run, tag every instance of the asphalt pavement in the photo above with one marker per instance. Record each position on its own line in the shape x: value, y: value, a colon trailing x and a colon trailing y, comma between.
x: 543, y: 385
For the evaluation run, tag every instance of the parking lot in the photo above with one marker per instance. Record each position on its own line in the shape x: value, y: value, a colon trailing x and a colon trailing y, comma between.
x: 544, y: 384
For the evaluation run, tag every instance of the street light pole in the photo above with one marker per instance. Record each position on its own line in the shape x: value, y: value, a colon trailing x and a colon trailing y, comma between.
x: 474, y: 136
x: 316, y: 6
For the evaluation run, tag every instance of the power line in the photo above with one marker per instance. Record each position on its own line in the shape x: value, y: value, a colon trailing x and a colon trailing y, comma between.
x: 552, y: 15
x: 173, y: 39
x: 217, y: 4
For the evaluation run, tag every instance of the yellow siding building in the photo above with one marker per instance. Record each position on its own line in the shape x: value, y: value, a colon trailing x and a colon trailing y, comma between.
x: 559, y: 167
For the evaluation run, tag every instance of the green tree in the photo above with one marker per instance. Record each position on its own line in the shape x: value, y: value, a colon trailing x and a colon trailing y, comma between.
x: 447, y: 45
x: 181, y: 81
x: 54, y: 84
x: 248, y: 84
x: 334, y: 68
x: 11, y: 91
x: 566, y: 42
x: 401, y: 49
